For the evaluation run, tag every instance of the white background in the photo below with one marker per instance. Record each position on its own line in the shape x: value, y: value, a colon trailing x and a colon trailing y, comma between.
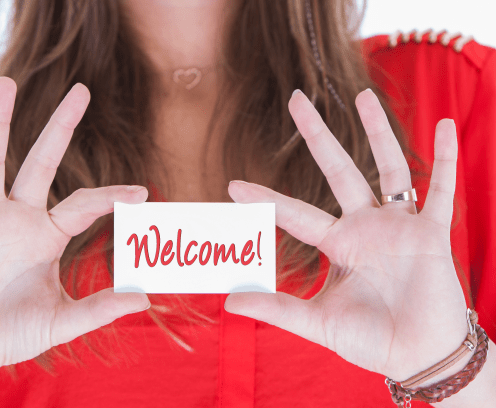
x: 470, y: 17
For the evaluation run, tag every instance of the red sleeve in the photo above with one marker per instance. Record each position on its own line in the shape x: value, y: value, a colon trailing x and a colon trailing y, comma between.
x: 478, y: 148
x: 424, y: 83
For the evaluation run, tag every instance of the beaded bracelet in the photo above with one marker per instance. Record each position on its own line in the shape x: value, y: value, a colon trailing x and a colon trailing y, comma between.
x: 476, y: 337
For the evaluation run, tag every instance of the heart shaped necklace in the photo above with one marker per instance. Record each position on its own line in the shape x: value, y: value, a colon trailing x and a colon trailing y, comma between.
x: 180, y: 74
x: 188, y: 78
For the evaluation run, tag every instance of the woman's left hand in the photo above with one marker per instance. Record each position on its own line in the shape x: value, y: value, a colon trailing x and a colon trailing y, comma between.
x: 397, y: 306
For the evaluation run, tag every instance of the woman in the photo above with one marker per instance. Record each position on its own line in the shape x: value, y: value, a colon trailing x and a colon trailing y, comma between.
x: 143, y: 128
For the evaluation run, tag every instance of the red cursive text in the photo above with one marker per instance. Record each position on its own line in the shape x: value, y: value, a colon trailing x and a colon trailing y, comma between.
x: 203, y: 256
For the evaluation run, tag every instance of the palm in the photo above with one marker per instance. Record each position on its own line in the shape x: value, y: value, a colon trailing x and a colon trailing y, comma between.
x: 379, y: 303
x: 36, y: 311
x: 28, y: 238
x: 31, y: 292
x: 392, y: 277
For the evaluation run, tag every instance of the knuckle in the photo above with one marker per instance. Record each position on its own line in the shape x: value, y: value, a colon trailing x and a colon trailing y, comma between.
x: 383, y: 132
x: 113, y: 190
x: 447, y: 160
x: 316, y: 132
x: 61, y: 124
x: 81, y: 195
x: 80, y: 200
x: 46, y: 161
x: 439, y: 188
x: 293, y: 221
x: 81, y: 191
x: 109, y: 201
x: 281, y: 302
x: 324, y: 319
x: 29, y: 197
x: 325, y: 234
x: 395, y: 168
x: 334, y: 170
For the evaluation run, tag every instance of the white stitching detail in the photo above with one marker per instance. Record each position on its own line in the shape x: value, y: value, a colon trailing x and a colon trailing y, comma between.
x: 406, y: 36
x: 445, y: 39
x: 420, y: 35
x: 393, y: 38
x: 461, y: 42
x: 433, y: 36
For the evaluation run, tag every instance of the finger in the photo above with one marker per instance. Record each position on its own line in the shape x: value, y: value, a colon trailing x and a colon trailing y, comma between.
x: 8, y: 89
x: 438, y: 206
x: 38, y: 170
x: 78, y: 211
x: 77, y: 317
x: 347, y: 182
x: 394, y: 172
x: 305, y: 222
x: 278, y: 309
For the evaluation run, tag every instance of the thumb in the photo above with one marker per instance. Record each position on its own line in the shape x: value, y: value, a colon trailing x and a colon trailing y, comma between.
x: 77, y: 317
x: 279, y: 309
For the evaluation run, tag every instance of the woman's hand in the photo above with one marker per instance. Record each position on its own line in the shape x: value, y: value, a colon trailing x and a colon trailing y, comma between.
x: 397, y: 307
x: 36, y: 313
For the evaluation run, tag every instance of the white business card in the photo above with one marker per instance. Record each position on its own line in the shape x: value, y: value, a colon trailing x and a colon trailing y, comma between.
x: 171, y: 247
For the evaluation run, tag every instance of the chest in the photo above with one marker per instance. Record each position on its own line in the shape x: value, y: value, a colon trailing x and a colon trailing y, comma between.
x: 188, y: 180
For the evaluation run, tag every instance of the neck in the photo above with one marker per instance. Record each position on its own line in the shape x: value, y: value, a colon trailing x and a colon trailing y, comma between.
x: 179, y: 34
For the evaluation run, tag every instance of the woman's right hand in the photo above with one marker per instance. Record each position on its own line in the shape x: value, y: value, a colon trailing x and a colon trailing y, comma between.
x: 36, y: 313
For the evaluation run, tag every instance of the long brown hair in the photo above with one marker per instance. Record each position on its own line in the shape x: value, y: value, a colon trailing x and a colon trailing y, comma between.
x: 54, y: 44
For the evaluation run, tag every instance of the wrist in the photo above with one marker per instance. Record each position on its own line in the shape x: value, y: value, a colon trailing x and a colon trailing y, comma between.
x: 459, y: 375
x: 456, y: 368
x: 481, y: 391
x: 445, y: 351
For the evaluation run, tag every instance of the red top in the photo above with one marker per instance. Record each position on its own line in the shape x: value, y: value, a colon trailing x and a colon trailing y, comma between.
x: 244, y: 363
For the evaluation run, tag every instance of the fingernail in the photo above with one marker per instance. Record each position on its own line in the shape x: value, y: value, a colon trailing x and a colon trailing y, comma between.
x: 370, y: 90
x: 134, y: 189
x: 238, y: 181
x: 295, y: 92
x: 146, y: 308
